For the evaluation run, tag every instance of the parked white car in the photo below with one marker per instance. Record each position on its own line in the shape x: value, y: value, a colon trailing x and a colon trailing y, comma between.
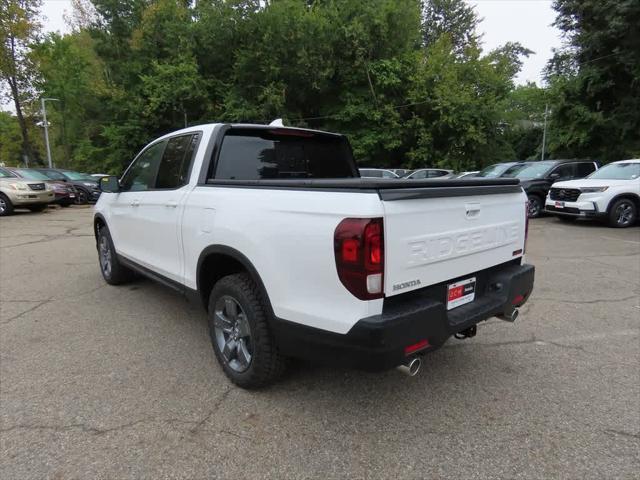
x: 611, y: 193
x: 294, y: 255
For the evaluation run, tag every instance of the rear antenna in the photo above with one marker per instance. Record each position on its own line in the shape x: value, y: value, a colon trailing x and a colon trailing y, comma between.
x: 277, y: 123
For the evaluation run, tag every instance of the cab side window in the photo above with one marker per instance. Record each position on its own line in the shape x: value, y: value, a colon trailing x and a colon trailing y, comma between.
x: 176, y: 162
x: 420, y: 175
x: 141, y: 175
x: 565, y: 171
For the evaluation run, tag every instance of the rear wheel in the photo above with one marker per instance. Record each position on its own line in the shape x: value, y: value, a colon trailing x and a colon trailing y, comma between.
x: 535, y: 206
x: 6, y: 207
x: 240, y: 334
x: 113, y: 272
x: 623, y: 213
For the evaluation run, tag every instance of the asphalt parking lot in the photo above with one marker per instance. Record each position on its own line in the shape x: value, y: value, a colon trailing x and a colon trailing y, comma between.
x: 121, y: 382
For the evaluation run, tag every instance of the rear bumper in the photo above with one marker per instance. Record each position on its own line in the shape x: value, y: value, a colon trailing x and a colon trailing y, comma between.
x: 378, y: 342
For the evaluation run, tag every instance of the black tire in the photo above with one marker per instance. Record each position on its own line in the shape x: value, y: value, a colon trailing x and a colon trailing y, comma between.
x: 116, y: 273
x: 266, y: 364
x: 37, y: 208
x: 6, y: 207
x: 82, y: 196
x: 623, y: 213
x: 535, y: 206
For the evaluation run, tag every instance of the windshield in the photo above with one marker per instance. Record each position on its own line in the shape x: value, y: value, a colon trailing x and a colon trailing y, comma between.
x: 54, y: 175
x: 77, y: 176
x: 6, y: 174
x: 618, y: 171
x: 31, y: 174
x: 494, y: 171
x: 529, y: 170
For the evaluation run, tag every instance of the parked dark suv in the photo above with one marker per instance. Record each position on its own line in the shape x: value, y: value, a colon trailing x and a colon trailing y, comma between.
x: 87, y: 189
x: 537, y: 177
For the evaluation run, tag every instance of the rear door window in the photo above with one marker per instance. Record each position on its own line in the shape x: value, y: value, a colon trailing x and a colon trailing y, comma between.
x: 565, y: 171
x: 176, y: 162
x: 255, y: 154
x: 584, y: 169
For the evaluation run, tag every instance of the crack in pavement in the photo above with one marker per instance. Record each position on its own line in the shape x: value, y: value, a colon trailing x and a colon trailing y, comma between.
x: 217, y: 404
x: 586, y: 302
x: 72, y: 426
x: 198, y: 424
x: 29, y: 310
x: 623, y: 433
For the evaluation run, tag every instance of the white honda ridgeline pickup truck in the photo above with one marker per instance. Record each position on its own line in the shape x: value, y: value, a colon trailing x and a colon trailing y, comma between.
x: 294, y: 255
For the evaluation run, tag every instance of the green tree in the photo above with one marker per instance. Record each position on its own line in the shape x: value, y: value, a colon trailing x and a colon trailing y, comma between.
x: 10, y: 140
x: 19, y: 28
x: 595, y: 80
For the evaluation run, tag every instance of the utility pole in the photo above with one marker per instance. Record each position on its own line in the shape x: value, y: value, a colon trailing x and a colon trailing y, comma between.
x: 46, y: 127
x: 544, y: 130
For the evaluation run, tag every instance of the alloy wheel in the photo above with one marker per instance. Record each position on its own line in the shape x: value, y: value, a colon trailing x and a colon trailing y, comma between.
x: 233, y: 333
x: 105, y: 256
x: 81, y: 197
x: 3, y: 205
x: 624, y: 214
x: 534, y: 207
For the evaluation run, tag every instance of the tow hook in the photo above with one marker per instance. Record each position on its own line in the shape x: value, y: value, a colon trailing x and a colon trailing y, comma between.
x: 466, y: 333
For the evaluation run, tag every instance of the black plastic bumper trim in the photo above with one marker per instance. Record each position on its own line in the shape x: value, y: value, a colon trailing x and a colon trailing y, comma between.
x: 378, y: 342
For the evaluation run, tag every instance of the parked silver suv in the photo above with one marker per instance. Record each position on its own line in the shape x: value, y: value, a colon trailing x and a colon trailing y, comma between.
x: 17, y: 192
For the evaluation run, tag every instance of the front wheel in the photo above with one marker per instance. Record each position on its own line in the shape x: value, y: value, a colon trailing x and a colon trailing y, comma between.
x: 240, y: 334
x: 623, y: 213
x: 113, y: 272
x: 82, y: 197
x: 6, y: 207
x: 535, y: 206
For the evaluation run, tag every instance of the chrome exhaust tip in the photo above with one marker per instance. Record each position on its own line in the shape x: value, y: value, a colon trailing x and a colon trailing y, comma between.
x: 411, y: 367
x: 510, y: 317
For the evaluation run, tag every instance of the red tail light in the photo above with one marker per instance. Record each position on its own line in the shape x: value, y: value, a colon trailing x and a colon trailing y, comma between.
x: 526, y: 226
x: 359, y: 250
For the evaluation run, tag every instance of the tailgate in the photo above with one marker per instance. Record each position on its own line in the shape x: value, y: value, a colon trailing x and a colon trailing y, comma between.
x: 438, y: 238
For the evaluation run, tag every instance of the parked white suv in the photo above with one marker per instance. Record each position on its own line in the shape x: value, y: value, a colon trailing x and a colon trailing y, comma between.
x: 294, y: 255
x: 611, y: 193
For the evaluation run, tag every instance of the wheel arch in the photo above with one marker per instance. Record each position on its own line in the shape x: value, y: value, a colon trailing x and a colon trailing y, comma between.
x: 631, y: 196
x: 98, y: 222
x: 218, y: 261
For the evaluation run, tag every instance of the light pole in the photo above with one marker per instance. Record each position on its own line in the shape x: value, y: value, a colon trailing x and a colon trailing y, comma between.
x: 544, y: 131
x: 46, y: 126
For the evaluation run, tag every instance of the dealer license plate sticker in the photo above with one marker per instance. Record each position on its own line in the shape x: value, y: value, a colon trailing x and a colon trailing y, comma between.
x: 461, y: 292
x: 559, y: 204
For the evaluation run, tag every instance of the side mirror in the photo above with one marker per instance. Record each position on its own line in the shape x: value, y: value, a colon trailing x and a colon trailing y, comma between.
x: 109, y: 184
x: 554, y: 176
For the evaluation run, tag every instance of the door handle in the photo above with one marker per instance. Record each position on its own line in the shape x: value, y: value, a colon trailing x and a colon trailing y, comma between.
x: 472, y: 210
x: 171, y: 204
x: 135, y: 203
